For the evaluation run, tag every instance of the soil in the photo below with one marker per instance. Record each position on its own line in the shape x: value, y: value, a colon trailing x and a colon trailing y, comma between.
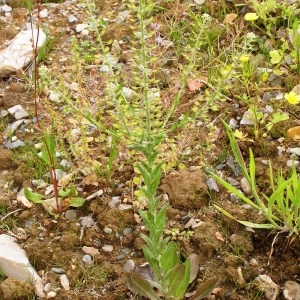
x: 226, y: 249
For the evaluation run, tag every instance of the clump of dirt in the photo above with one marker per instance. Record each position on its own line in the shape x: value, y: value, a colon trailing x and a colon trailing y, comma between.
x: 186, y: 189
x: 14, y: 289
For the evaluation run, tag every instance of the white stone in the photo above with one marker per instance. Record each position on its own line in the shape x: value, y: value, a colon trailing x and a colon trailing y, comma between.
x: 19, y: 52
x: 291, y: 290
x: 80, y: 27
x: 294, y: 150
x: 44, y: 13
x: 247, y: 119
x: 64, y: 281
x: 108, y: 248
x: 14, y: 263
x: 245, y: 187
x: 5, y: 8
x: 72, y: 19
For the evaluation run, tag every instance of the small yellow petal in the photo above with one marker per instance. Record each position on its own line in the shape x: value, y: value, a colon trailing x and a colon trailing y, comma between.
x: 251, y: 17
x: 292, y: 98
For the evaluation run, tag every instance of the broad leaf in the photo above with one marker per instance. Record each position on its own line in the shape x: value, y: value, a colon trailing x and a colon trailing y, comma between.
x: 169, y: 258
x: 194, y: 259
x: 205, y: 289
x: 179, y: 280
x: 34, y: 197
x: 76, y: 201
x: 140, y: 286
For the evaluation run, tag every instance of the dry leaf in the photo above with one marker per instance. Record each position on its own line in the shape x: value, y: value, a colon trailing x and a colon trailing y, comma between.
x: 229, y: 18
x: 194, y: 85
x: 293, y: 133
x: 219, y: 236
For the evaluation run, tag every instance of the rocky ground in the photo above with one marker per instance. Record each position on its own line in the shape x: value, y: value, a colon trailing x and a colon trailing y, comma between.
x: 81, y: 253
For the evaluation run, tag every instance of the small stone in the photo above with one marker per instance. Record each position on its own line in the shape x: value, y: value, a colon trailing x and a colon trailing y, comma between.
x: 129, y: 266
x: 279, y: 96
x: 51, y: 294
x: 95, y: 195
x: 265, y: 284
x: 127, y: 230
x: 80, y: 27
x: 114, y: 202
x: 43, y: 13
x: 65, y: 164
x: 291, y: 290
x: 108, y: 248
x: 72, y: 19
x: 87, y: 259
x: 90, y: 250
x: 245, y: 187
x: 212, y: 185
x: 54, y: 97
x: 71, y: 214
x: 107, y: 230
x: 247, y: 119
x: 294, y: 151
x: 64, y: 281
x: 47, y: 287
x: 87, y: 222
x: 233, y: 123
x: 14, y: 145
x: 253, y: 262
x: 5, y: 8
x: 58, y: 270
x: 291, y: 162
x: 232, y: 181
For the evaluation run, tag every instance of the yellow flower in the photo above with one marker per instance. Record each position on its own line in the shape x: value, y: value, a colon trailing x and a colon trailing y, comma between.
x: 292, y: 98
x: 244, y: 58
x: 251, y: 17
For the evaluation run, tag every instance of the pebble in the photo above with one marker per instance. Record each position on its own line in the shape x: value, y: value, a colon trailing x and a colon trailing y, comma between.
x: 87, y: 222
x: 279, y: 96
x: 129, y: 266
x: 10, y: 129
x: 247, y: 118
x: 212, y: 185
x: 58, y: 270
x: 95, y: 195
x: 58, y: 173
x: 72, y: 19
x: 291, y: 290
x: 64, y: 281
x: 5, y: 8
x: 90, y: 250
x: 80, y: 27
x: 65, y: 164
x: 253, y: 262
x: 127, y: 230
x: 51, y: 294
x: 108, y: 248
x: 107, y: 230
x: 233, y: 123
x: 87, y: 259
x: 245, y: 187
x: 114, y: 202
x: 44, y: 13
x: 54, y: 97
x: 71, y: 214
x: 14, y: 145
x: 292, y: 162
x: 294, y: 150
x: 233, y: 181
x: 265, y: 284
x: 47, y: 287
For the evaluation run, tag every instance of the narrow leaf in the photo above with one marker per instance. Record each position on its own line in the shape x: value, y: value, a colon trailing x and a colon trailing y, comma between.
x: 178, y: 281
x: 194, y: 259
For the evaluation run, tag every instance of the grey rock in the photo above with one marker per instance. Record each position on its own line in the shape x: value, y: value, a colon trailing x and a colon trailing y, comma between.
x: 87, y: 259
x: 87, y: 222
x: 245, y: 187
x: 212, y: 185
x: 14, y: 145
x: 65, y: 164
x: 5, y: 8
x: 291, y: 162
x: 247, y: 119
x: 72, y: 19
x: 71, y: 214
x: 127, y: 230
x: 58, y: 173
x: 233, y: 181
x: 58, y: 270
x: 95, y: 195
x: 10, y: 129
x: 81, y: 27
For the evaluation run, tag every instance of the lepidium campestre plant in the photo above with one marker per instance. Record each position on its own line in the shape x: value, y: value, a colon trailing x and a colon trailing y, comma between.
x: 141, y: 121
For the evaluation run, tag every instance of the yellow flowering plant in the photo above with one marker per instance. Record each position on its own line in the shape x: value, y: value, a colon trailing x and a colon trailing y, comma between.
x: 292, y: 98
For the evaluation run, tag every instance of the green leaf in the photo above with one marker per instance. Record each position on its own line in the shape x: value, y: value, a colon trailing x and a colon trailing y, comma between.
x: 34, y: 197
x: 179, y: 280
x: 205, y: 289
x: 276, y: 57
x: 64, y: 193
x: 77, y: 201
x: 169, y: 258
x: 140, y: 286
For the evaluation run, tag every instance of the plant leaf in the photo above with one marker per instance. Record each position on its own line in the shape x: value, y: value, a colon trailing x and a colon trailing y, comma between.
x: 169, y: 258
x: 140, y: 286
x: 34, y: 197
x: 205, y: 289
x: 76, y: 201
x: 179, y: 280
x: 194, y: 259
